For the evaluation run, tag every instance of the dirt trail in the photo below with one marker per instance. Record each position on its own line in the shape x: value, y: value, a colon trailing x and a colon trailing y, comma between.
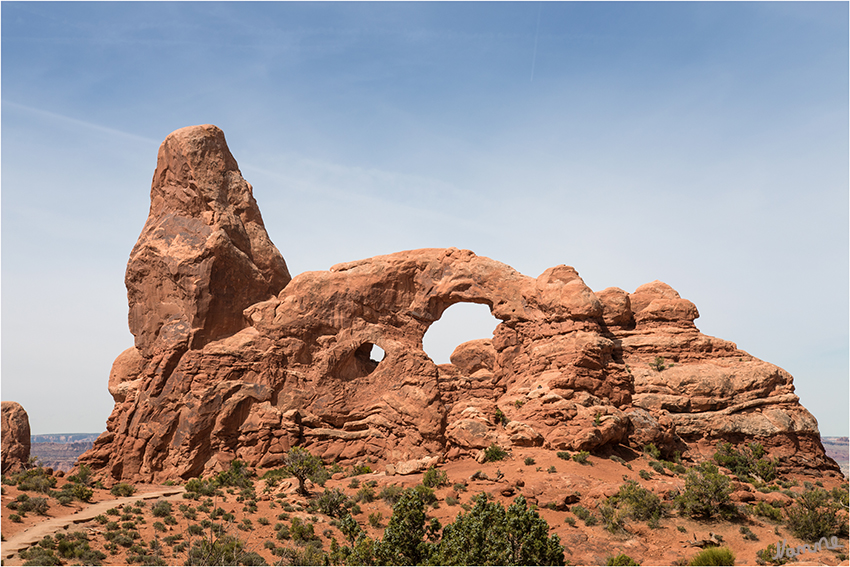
x: 33, y: 535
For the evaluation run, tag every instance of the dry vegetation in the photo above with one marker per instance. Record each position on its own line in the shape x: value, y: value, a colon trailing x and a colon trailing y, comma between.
x: 639, y: 509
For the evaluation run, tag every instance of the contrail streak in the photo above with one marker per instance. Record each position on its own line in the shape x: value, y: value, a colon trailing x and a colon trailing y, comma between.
x: 536, y: 33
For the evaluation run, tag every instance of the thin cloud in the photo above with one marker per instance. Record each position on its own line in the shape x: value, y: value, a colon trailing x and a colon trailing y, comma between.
x: 78, y: 122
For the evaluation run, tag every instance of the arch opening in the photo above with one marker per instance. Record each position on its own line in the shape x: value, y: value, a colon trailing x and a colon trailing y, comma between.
x: 458, y: 324
x: 360, y: 363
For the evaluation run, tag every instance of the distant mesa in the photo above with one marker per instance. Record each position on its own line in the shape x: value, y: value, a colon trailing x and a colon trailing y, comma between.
x: 15, y: 437
x: 233, y: 358
x: 61, y: 451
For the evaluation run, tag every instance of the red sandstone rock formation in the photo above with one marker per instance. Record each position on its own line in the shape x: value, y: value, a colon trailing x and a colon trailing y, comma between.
x: 203, y: 255
x: 15, y: 437
x: 231, y: 361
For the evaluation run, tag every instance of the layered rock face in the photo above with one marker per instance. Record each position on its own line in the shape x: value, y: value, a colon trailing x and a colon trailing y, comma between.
x: 233, y: 360
x: 15, y: 436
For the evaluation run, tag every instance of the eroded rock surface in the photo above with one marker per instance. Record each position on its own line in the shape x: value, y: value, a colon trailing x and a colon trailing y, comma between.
x: 15, y: 436
x: 233, y: 360
x: 204, y: 254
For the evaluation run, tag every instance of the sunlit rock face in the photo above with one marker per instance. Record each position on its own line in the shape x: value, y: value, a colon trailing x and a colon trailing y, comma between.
x: 16, y: 437
x: 234, y: 360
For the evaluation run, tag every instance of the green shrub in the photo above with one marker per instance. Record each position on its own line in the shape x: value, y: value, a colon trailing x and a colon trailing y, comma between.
x: 75, y: 547
x: 570, y: 520
x: 40, y: 556
x: 612, y: 519
x: 331, y: 502
x: 706, y: 493
x: 645, y: 474
x: 714, y: 556
x: 677, y: 468
x: 841, y: 496
x: 621, y: 559
x: 434, y: 478
x: 34, y: 480
x: 301, y: 532
x: 123, y: 489
x: 425, y: 494
x: 748, y: 533
x: 366, y: 494
x: 529, y: 461
x: 38, y: 505
x: 159, y: 526
x: 585, y: 515
x: 500, y: 417
x: 766, y: 556
x: 581, y: 457
x: 638, y: 503
x: 491, y: 535
x: 16, y: 518
x: 746, y: 463
x: 76, y: 492
x: 658, y: 364
x: 657, y: 467
x: 765, y: 510
x: 122, y: 539
x: 563, y: 455
x: 494, y: 453
x: 618, y: 459
x: 23, y: 504
x: 357, y: 470
x: 223, y: 550
x: 312, y: 554
x: 451, y: 500
x: 815, y: 515
x: 200, y: 487
x: 390, y: 494
x: 161, y: 509
x: 83, y: 476
x: 238, y: 475
x: 652, y: 451
x: 375, y: 519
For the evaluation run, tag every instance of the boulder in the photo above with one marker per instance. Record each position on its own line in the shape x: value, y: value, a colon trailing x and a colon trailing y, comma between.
x: 415, y: 466
x: 472, y: 356
x: 16, y: 437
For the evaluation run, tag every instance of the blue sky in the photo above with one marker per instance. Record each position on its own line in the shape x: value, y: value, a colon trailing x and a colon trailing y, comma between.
x: 702, y: 144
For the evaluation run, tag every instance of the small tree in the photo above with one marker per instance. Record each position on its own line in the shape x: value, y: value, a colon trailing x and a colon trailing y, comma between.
x: 332, y: 503
x: 816, y: 515
x: 491, y: 535
x: 706, y: 493
x: 435, y: 478
x: 403, y: 542
x: 301, y: 464
x: 83, y: 476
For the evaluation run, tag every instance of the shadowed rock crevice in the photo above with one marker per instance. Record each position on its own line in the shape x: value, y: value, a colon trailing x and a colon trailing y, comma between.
x: 234, y: 360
